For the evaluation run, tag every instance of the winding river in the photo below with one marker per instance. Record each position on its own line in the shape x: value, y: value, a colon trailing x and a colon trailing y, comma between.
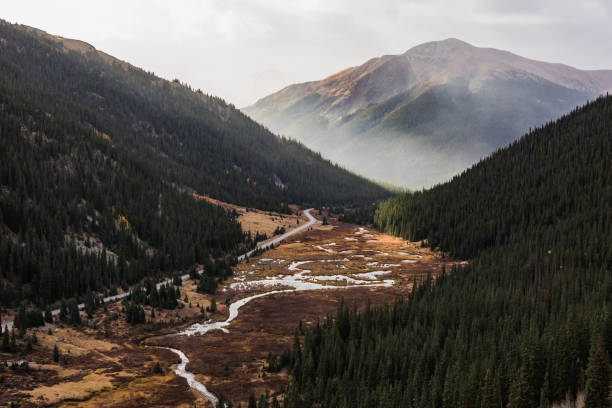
x: 300, y: 281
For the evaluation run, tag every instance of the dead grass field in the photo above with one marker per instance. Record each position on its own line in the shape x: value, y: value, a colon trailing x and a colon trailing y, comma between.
x: 260, y: 221
x: 107, y: 366
x: 231, y: 364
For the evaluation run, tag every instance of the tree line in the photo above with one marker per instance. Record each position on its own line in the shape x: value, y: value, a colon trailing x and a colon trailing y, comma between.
x: 526, y: 323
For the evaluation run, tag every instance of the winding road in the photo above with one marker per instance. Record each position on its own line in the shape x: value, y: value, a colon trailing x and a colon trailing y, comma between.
x: 311, y: 221
x: 297, y: 281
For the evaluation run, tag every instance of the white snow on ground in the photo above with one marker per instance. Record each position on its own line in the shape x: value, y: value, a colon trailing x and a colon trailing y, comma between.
x: 274, y: 261
x: 320, y: 248
x: 389, y: 265
x: 361, y: 231
x: 350, y: 239
x: 338, y: 278
x: 357, y: 256
x: 368, y: 236
x: 294, y: 265
x: 371, y: 263
x: 372, y: 275
x: 408, y: 254
x: 330, y: 244
x: 348, y: 251
x: 298, y: 281
x: 371, y: 241
x: 409, y: 261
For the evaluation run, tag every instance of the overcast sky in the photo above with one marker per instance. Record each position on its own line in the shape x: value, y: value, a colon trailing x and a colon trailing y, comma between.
x: 242, y: 50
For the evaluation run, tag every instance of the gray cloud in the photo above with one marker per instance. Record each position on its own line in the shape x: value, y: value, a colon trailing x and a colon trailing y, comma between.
x: 244, y: 49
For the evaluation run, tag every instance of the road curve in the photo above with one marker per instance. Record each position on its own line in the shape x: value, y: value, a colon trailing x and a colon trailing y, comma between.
x: 311, y: 221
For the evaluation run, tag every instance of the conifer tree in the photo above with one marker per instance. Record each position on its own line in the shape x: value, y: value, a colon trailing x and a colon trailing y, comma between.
x: 56, y: 354
x: 597, y: 392
x: 6, y: 346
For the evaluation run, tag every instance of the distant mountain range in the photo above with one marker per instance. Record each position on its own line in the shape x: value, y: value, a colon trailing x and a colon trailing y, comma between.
x: 418, y: 118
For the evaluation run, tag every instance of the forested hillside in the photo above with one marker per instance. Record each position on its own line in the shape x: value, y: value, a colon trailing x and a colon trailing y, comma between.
x: 195, y: 140
x: 79, y: 214
x: 99, y: 160
x: 526, y: 324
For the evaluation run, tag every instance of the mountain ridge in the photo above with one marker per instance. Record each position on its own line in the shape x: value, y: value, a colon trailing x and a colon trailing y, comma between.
x: 446, y: 102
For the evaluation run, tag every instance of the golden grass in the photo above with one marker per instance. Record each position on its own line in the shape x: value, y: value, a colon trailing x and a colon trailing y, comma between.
x: 257, y: 220
x: 73, y: 390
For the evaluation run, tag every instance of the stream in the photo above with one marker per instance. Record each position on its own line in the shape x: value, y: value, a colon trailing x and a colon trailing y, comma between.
x: 299, y: 282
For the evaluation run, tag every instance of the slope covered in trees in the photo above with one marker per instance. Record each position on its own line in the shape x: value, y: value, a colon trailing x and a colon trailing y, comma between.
x: 78, y: 213
x: 196, y: 140
x: 527, y: 323
x: 99, y: 160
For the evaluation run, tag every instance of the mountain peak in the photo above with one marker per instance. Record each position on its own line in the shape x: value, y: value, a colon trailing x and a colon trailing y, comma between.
x: 440, y: 46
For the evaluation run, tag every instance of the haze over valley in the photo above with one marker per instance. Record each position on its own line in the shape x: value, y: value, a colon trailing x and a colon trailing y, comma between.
x: 430, y: 228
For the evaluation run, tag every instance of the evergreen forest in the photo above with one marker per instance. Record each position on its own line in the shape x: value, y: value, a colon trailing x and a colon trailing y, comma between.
x: 527, y: 323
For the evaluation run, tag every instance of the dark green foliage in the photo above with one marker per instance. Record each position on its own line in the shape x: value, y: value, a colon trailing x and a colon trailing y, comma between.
x: 202, y: 142
x: 157, y: 369
x: 73, y: 308
x: 13, y: 342
x: 278, y: 231
x: 26, y: 319
x: 361, y: 215
x: 597, y: 392
x: 6, y: 346
x: 207, y: 284
x: 48, y: 315
x: 91, y: 303
x: 61, y: 181
x: 513, y: 327
x: 165, y: 297
x: 63, y: 313
x: 134, y: 313
x: 98, y: 156
x: 213, y: 306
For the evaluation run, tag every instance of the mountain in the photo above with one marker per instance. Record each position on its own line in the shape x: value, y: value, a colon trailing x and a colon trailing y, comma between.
x: 201, y: 142
x: 100, y: 162
x: 526, y: 323
x: 419, y: 118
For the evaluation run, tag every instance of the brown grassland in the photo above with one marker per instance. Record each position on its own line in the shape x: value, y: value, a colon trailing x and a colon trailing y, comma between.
x: 105, y: 362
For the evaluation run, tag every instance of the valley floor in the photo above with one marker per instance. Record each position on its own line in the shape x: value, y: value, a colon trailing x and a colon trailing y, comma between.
x: 108, y: 365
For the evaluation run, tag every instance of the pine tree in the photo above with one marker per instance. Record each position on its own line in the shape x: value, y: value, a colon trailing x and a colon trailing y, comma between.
x: 48, y: 315
x: 488, y: 394
x: 75, y: 316
x: 13, y: 344
x: 252, y: 401
x: 56, y: 354
x: 63, y: 314
x: 6, y: 346
x: 597, y: 391
x: 90, y: 304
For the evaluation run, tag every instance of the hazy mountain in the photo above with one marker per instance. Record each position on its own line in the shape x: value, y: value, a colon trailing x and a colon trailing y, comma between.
x: 420, y: 117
